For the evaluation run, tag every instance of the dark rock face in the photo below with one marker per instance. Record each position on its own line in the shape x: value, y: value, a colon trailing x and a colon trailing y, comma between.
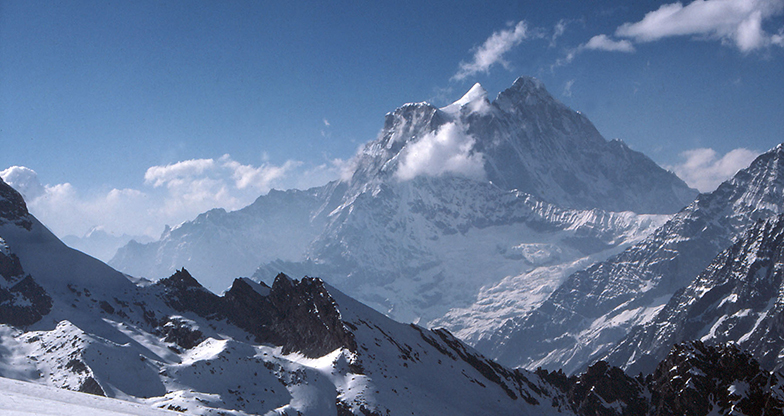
x: 12, y: 207
x: 92, y: 387
x: 694, y: 380
x: 591, y: 392
x: 23, y: 301
x: 297, y: 315
x: 181, y: 333
x: 10, y: 266
x: 183, y: 293
x: 307, y: 315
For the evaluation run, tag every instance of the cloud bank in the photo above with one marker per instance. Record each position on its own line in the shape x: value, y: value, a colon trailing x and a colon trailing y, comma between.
x: 169, y: 194
x: 448, y: 150
x: 704, y: 170
x: 492, y: 51
x: 736, y: 22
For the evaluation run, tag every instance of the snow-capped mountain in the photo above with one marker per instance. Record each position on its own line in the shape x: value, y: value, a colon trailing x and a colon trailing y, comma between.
x: 595, y: 308
x: 444, y: 202
x: 525, y: 140
x: 298, y: 347
x: 414, y: 250
x: 739, y: 298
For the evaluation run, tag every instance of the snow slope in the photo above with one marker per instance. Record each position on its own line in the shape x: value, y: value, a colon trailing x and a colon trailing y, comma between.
x: 595, y: 308
x: 18, y: 398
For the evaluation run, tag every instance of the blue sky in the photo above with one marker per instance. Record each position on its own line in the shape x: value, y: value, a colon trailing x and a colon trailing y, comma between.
x: 131, y: 115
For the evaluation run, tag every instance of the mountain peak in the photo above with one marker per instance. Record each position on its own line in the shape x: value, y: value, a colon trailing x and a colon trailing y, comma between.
x: 528, y: 83
x: 477, y: 94
x: 526, y: 92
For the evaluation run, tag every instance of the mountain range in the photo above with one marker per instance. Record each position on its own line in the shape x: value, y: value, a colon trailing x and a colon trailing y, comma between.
x: 70, y: 321
x: 298, y: 347
x: 442, y: 211
x: 564, y: 259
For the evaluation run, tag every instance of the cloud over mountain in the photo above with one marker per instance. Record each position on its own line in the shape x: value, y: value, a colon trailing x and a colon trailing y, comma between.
x: 448, y: 150
x: 705, y: 170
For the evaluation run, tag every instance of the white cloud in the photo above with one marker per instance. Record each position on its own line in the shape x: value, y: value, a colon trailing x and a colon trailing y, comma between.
x: 778, y: 39
x: 567, y: 59
x: 737, y: 22
x: 704, y: 170
x: 448, y: 150
x: 492, y: 51
x: 567, y: 91
x: 24, y: 180
x: 734, y: 22
x: 558, y: 31
x: 604, y: 43
x: 65, y: 211
x: 159, y: 175
x: 259, y: 178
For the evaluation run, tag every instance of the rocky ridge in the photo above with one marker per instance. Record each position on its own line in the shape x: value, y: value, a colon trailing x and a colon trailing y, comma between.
x: 595, y: 308
x: 693, y: 379
x: 736, y: 299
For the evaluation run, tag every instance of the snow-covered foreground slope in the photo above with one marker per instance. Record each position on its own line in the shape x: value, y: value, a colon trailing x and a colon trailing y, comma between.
x: 479, y: 209
x: 18, y: 398
x: 595, y: 308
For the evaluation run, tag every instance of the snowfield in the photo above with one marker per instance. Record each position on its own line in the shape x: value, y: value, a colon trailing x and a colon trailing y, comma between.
x: 19, y: 398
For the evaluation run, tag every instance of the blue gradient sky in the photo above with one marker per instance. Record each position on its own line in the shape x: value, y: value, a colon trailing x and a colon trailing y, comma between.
x: 93, y: 94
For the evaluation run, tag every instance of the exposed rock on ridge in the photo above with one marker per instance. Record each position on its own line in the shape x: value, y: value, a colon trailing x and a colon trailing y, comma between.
x: 300, y: 316
x: 694, y: 379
